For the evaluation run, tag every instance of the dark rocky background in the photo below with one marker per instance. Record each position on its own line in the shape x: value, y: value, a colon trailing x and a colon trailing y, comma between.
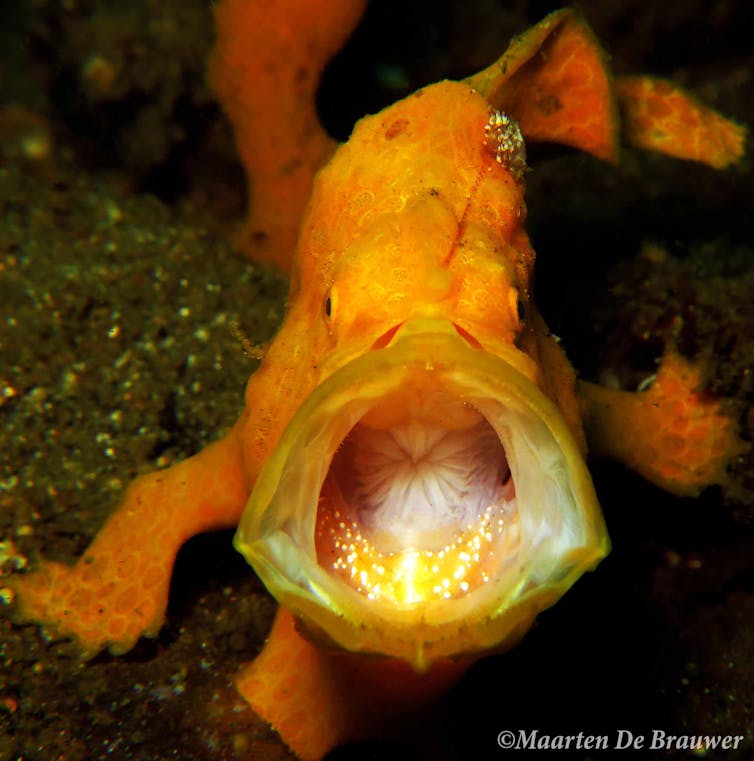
x: 118, y: 293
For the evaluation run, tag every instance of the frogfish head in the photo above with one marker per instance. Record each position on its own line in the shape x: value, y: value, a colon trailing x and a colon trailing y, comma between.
x: 429, y: 497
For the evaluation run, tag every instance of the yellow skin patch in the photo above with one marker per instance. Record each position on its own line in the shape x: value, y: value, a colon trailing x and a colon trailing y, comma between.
x: 413, y: 248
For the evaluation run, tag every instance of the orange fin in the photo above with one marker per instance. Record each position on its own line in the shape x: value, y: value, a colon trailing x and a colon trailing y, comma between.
x: 672, y: 434
x: 317, y: 699
x: 554, y: 81
x: 659, y: 116
x: 265, y: 69
x: 118, y: 590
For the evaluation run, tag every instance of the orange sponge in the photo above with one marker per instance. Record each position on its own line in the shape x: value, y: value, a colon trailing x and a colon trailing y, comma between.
x: 659, y: 116
x: 265, y: 69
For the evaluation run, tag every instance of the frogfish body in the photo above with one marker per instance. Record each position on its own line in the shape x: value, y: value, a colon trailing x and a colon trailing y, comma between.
x: 430, y: 496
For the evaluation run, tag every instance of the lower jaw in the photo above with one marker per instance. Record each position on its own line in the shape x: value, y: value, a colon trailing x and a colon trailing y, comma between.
x: 416, y: 617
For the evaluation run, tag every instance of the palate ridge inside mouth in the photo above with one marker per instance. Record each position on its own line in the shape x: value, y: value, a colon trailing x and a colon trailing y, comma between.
x: 417, y: 505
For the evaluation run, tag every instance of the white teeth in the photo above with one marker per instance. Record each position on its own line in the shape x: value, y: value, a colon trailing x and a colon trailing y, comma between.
x: 410, y: 575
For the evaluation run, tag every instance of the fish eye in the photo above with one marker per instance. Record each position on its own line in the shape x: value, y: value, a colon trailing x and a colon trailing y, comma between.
x: 517, y: 304
x: 330, y: 303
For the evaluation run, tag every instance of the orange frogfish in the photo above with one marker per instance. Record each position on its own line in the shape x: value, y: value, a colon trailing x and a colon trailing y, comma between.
x: 408, y: 474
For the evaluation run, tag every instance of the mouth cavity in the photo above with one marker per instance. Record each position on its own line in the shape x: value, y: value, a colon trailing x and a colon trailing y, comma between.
x: 419, y: 502
x: 425, y: 501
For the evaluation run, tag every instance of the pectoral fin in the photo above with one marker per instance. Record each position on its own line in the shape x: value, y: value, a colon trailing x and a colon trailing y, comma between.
x: 317, y: 698
x: 673, y: 434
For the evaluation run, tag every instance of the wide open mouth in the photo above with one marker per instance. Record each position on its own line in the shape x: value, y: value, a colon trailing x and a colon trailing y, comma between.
x: 426, y: 500
x: 419, y: 502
